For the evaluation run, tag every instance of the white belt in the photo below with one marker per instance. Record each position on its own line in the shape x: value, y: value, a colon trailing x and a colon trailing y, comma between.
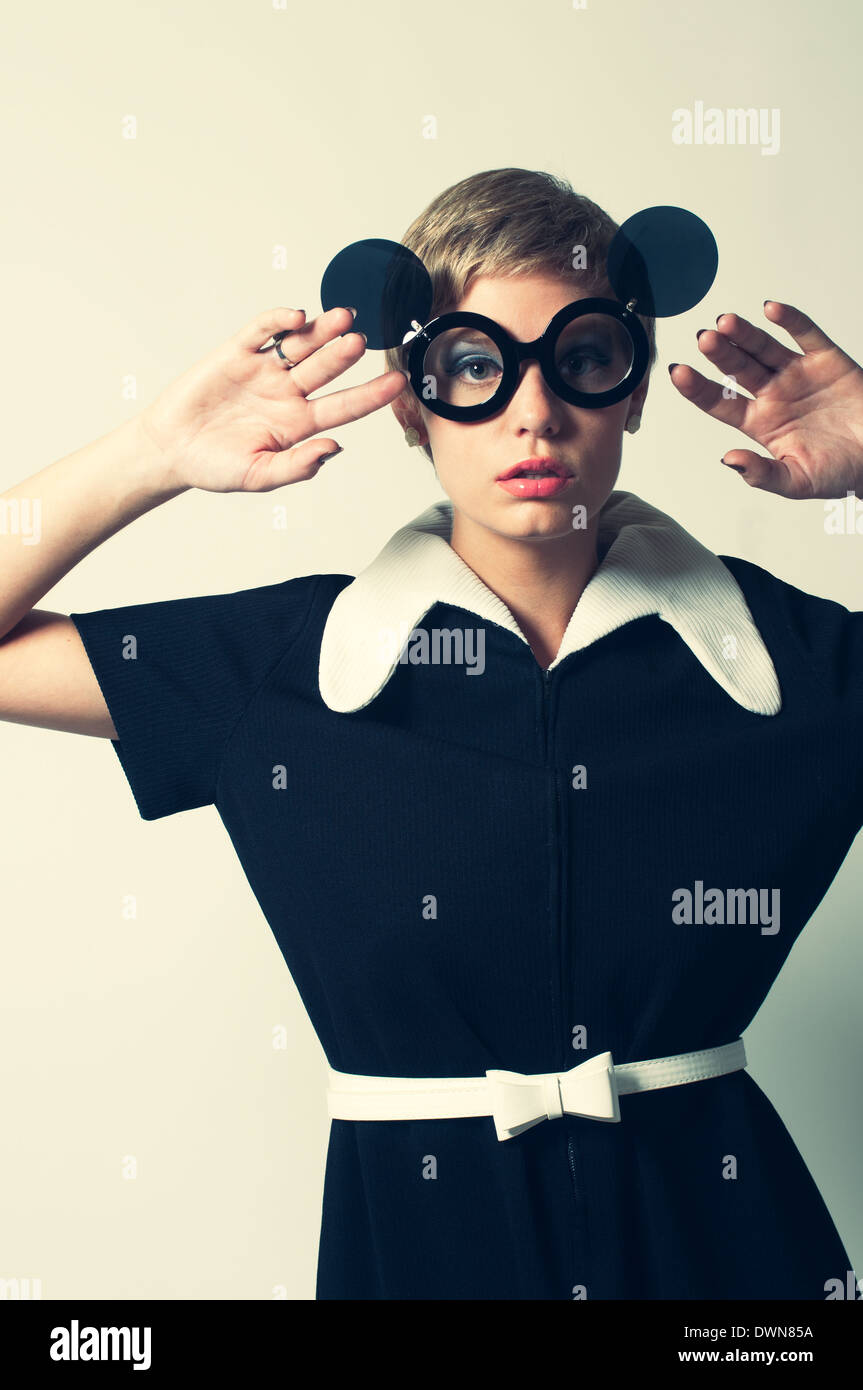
x: 516, y: 1101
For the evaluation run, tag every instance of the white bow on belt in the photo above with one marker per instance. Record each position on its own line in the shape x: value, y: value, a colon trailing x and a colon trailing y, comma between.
x: 517, y: 1101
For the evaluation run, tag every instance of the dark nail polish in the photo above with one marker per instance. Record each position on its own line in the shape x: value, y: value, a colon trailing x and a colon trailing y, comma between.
x: 700, y: 331
x: 672, y: 365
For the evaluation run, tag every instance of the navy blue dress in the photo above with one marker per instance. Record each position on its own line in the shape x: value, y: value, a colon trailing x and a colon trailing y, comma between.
x: 472, y: 863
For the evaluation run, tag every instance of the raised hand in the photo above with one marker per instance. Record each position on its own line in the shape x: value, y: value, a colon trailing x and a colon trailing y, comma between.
x: 240, y: 420
x: 807, y: 408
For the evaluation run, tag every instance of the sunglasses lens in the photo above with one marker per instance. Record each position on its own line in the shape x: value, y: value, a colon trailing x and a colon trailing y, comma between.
x: 462, y: 366
x: 594, y: 353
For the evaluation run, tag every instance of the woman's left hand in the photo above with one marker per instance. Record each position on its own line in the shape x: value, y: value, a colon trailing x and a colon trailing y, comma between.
x: 808, y: 407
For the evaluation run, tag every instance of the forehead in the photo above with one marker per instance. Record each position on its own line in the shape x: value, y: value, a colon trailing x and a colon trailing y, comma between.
x: 524, y: 303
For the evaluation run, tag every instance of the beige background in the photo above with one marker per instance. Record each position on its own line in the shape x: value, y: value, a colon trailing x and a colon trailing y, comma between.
x: 302, y: 127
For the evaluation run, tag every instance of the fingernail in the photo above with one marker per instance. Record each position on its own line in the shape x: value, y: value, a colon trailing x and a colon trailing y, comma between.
x: 718, y: 317
x: 353, y: 311
x: 324, y: 457
x: 700, y: 331
x: 671, y: 366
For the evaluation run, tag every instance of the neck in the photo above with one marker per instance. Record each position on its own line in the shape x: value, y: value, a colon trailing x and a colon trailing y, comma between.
x: 539, y: 579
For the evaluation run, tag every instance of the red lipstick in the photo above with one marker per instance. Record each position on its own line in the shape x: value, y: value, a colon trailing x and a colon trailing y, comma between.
x: 535, y: 478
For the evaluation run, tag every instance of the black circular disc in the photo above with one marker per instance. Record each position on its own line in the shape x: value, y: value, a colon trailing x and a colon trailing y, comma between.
x: 386, y: 283
x: 665, y: 258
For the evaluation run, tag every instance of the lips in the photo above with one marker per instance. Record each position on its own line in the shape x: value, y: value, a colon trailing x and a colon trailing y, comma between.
x: 535, y: 468
x: 536, y: 479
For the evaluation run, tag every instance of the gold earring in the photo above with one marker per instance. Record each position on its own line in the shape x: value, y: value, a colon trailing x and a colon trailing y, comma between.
x: 633, y: 424
x: 412, y: 436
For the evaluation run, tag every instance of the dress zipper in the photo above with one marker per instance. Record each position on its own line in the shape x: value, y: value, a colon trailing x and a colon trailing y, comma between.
x: 555, y: 833
x: 556, y: 829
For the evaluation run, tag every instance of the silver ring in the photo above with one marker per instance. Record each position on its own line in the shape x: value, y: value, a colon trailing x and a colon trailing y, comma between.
x: 286, y: 360
x: 277, y: 344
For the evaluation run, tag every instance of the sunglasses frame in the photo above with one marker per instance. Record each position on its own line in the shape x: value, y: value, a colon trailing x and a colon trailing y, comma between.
x: 541, y: 350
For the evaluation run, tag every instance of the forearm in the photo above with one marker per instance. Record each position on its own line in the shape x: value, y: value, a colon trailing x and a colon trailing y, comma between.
x: 49, y: 522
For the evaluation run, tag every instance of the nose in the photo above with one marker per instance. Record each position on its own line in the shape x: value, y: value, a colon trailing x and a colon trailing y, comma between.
x: 534, y: 408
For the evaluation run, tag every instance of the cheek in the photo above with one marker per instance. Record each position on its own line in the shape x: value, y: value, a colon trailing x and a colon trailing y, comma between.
x: 447, y: 439
x: 613, y: 419
x: 602, y: 429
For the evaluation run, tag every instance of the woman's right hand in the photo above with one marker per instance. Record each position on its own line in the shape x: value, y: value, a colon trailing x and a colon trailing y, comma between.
x: 240, y: 421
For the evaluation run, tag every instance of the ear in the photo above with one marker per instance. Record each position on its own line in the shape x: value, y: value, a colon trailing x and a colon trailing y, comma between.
x: 637, y: 398
x: 407, y: 412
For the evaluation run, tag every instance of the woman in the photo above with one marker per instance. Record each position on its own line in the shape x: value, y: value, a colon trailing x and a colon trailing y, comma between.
x: 496, y: 794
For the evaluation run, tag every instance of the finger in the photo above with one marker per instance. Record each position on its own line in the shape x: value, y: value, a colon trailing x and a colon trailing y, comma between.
x: 254, y: 334
x: 805, y: 333
x: 733, y: 361
x: 340, y: 407
x: 323, y: 365
x: 768, y: 474
x: 308, y: 338
x: 272, y: 468
x: 755, y: 341
x: 730, y: 407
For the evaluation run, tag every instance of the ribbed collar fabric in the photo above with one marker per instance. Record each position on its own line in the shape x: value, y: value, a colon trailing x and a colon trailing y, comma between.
x: 651, y: 565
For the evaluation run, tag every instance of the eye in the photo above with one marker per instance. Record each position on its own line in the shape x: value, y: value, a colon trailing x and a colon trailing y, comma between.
x: 588, y: 356
x: 594, y: 353
x: 475, y: 367
x: 466, y: 365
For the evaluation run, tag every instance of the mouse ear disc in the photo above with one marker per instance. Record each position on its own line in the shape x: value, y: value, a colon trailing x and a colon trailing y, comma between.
x: 665, y: 258
x: 386, y: 283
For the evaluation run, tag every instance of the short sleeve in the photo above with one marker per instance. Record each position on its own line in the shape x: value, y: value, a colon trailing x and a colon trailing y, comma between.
x: 177, y: 676
x: 820, y: 646
x: 825, y: 637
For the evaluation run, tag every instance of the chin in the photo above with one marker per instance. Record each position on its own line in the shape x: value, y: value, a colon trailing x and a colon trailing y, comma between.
x: 552, y: 517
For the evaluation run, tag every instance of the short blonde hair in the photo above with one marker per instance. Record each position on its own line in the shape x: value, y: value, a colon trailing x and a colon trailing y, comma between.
x: 509, y: 222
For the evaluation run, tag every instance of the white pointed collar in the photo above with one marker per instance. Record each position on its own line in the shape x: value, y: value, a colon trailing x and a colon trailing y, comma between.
x: 652, y: 565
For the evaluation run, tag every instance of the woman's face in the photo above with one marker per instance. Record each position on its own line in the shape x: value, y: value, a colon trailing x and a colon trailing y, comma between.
x: 469, y: 458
